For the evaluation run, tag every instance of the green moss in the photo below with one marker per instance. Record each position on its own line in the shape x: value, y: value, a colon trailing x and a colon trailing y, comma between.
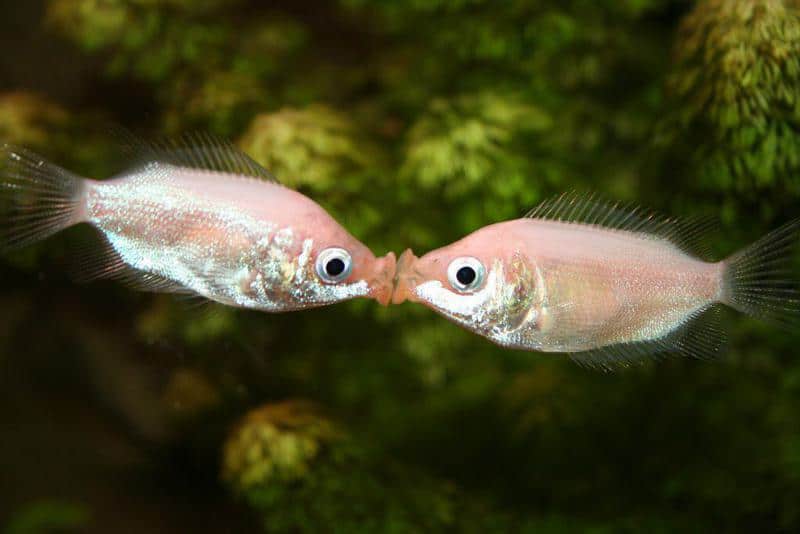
x: 28, y: 119
x: 472, y: 145
x: 91, y: 23
x: 737, y: 81
x: 275, y: 445
x: 314, y: 147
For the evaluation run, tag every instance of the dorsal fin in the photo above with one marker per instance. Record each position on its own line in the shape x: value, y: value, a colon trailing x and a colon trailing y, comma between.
x: 197, y: 150
x: 688, y: 235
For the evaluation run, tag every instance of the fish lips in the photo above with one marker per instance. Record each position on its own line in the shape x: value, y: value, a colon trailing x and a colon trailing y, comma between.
x: 406, y: 279
x: 381, y: 285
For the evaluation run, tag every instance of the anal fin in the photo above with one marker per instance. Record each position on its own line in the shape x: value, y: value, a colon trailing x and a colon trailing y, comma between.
x: 96, y: 259
x: 701, y: 336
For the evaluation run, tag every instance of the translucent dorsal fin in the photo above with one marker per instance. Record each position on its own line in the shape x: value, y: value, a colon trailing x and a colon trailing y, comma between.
x: 687, y: 234
x: 197, y: 150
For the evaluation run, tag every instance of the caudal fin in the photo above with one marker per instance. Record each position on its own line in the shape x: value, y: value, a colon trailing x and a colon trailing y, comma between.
x: 37, y: 198
x: 759, y: 280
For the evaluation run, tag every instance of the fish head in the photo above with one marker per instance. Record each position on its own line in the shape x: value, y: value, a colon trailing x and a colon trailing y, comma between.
x: 334, y: 266
x: 485, y: 282
x: 364, y: 274
x: 306, y: 259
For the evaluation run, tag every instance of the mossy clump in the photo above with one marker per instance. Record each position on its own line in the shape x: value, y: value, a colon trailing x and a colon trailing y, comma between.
x: 28, y: 119
x: 736, y: 86
x: 275, y: 444
x: 314, y: 147
x: 463, y: 142
x: 92, y: 23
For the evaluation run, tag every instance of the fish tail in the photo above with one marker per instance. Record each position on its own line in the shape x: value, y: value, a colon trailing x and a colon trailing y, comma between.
x: 37, y: 198
x: 759, y: 280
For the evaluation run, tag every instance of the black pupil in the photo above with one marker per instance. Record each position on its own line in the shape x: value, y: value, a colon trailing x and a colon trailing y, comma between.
x: 334, y: 267
x: 466, y: 275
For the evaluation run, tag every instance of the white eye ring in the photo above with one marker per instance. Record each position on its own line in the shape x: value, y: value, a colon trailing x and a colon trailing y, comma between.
x: 334, y: 265
x: 466, y: 274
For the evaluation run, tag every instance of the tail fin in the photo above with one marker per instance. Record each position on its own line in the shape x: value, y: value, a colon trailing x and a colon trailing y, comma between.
x: 37, y: 198
x: 759, y: 280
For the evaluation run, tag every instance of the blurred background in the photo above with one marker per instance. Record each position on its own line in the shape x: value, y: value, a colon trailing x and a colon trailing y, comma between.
x: 414, y: 122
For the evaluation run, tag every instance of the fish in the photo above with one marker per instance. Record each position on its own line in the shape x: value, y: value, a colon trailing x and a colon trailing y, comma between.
x: 609, y: 284
x: 194, y: 216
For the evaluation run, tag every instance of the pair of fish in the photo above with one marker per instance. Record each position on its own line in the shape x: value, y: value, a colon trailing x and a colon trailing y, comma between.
x: 607, y: 284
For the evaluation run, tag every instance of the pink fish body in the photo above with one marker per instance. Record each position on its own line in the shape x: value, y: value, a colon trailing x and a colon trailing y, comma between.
x: 201, y: 219
x: 607, y: 286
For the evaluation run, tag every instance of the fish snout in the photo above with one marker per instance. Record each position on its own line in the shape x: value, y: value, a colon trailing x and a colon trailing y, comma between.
x: 406, y: 279
x: 381, y: 285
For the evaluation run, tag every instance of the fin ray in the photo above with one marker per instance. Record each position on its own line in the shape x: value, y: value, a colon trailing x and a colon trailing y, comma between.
x: 700, y: 337
x: 198, y: 150
x: 688, y: 235
x: 38, y: 199
x: 758, y: 279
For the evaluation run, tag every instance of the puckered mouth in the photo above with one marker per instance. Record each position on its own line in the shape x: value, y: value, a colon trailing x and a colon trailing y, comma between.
x: 381, y: 285
x: 406, y: 278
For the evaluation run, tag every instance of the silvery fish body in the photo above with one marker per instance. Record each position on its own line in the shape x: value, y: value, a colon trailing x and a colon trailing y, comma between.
x: 605, y: 284
x: 201, y: 218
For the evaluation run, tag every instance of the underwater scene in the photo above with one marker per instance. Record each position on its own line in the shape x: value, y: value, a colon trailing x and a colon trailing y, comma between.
x: 365, y: 266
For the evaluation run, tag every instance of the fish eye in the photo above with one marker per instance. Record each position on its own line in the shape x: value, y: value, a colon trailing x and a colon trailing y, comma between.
x: 466, y: 274
x: 334, y: 265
